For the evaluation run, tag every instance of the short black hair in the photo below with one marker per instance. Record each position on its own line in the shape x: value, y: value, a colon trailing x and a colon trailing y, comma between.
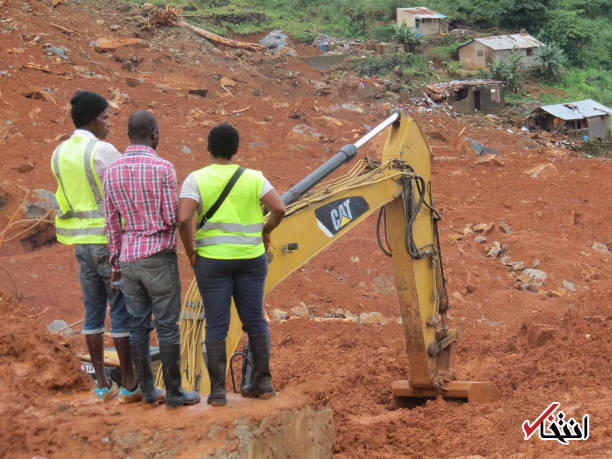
x: 223, y: 141
x: 141, y: 125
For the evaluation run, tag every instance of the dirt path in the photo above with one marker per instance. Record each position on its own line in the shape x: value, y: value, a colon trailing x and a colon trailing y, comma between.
x: 539, y: 346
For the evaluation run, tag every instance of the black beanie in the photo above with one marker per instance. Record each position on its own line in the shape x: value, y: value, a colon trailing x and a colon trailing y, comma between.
x: 86, y: 106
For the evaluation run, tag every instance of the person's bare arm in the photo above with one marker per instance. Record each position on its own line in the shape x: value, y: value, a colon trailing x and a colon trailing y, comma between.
x: 187, y: 208
x: 274, y: 204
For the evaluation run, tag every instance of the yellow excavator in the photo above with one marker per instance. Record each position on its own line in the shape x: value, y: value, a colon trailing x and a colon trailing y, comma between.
x: 319, y: 212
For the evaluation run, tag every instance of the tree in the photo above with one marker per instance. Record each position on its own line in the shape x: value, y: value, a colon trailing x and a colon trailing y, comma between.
x: 407, y: 37
x: 552, y: 58
x: 522, y: 14
x: 510, y: 72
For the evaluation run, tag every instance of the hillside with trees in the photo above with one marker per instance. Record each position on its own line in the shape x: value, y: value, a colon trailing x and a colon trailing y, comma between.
x: 576, y: 62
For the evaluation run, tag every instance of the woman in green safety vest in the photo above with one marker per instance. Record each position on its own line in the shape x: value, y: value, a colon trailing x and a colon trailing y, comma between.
x: 229, y: 255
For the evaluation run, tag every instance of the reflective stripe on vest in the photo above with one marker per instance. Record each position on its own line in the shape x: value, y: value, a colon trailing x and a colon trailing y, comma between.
x: 80, y: 231
x: 234, y: 227
x: 80, y: 219
x: 234, y: 231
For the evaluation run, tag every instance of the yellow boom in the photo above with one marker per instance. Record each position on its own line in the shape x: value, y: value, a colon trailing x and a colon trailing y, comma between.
x: 398, y: 186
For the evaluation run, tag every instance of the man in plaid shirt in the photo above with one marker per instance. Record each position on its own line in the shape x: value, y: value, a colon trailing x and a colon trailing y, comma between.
x: 141, y: 189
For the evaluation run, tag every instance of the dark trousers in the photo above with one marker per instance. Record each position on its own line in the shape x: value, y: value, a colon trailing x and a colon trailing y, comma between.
x: 219, y: 280
x: 152, y: 286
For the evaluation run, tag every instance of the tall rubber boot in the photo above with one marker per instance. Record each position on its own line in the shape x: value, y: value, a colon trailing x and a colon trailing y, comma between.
x: 126, y: 365
x: 247, y: 388
x: 144, y: 374
x: 216, y: 364
x: 259, y: 346
x: 171, y: 367
x: 95, y: 346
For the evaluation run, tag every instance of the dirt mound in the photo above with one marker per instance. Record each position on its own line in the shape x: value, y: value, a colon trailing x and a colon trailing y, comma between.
x: 32, y: 360
x: 557, y: 357
x: 34, y: 365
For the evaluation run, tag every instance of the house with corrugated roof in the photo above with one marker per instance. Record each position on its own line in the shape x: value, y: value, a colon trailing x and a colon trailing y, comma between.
x: 576, y: 119
x: 480, y: 52
x: 423, y: 20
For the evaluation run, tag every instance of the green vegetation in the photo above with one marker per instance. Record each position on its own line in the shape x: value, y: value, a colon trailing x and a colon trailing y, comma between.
x: 578, y: 60
x: 408, y: 37
x: 510, y: 73
x: 411, y: 66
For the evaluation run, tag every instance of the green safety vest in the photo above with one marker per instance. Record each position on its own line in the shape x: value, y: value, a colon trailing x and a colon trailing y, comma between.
x: 80, y: 219
x: 234, y: 231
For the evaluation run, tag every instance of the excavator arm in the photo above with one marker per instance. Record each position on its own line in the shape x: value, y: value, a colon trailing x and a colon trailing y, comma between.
x: 398, y: 188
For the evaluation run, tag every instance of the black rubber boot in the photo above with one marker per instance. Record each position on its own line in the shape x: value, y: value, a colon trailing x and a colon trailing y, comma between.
x: 144, y: 374
x: 247, y: 389
x: 171, y: 367
x: 216, y: 363
x: 259, y: 347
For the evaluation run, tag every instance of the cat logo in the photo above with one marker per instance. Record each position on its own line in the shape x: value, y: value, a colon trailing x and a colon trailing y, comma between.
x: 337, y: 215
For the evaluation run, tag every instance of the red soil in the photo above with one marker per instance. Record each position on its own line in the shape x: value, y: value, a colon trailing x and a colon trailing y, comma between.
x: 350, y: 367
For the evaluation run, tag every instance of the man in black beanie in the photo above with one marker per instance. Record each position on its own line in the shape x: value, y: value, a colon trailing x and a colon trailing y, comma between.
x: 78, y: 165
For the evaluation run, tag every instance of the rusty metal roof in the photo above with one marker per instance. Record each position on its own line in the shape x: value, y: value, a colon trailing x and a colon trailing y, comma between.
x: 577, y: 110
x: 462, y: 83
x: 517, y: 40
x: 422, y: 12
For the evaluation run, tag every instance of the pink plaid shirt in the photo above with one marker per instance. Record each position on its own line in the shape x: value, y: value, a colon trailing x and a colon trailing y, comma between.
x: 141, y: 188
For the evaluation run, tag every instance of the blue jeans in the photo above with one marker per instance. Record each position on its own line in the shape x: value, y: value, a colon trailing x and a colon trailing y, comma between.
x: 152, y: 286
x: 94, y: 274
x: 219, y: 280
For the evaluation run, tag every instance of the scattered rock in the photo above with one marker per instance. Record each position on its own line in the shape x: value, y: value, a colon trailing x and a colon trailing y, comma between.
x: 54, y: 51
x: 279, y: 314
x: 496, y: 250
x: 457, y: 295
x: 186, y: 150
x: 603, y: 248
x: 40, y: 202
x: 199, y: 92
x: 25, y: 167
x: 57, y: 325
x: 539, y: 334
x: 484, y: 227
x: 505, y: 227
x: 569, y: 285
x: 114, y: 28
x: 372, y: 318
x: 303, y: 132
x: 536, y: 275
x: 38, y: 95
x: 480, y: 239
x: 480, y: 149
x: 516, y: 265
x: 301, y: 310
x: 542, y: 171
x: 274, y: 41
x: 341, y: 313
x: 489, y: 160
x: 133, y: 82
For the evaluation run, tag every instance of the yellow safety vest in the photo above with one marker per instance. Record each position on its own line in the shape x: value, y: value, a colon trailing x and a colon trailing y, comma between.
x: 80, y: 219
x: 234, y: 231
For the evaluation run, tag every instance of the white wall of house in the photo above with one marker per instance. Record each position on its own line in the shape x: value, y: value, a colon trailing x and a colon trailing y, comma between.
x: 599, y: 127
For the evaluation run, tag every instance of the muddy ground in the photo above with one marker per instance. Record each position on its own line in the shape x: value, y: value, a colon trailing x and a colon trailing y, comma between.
x: 547, y: 343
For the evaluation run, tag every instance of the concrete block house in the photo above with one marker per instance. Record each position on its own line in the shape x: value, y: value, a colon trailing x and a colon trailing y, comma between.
x: 480, y: 52
x: 423, y: 20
